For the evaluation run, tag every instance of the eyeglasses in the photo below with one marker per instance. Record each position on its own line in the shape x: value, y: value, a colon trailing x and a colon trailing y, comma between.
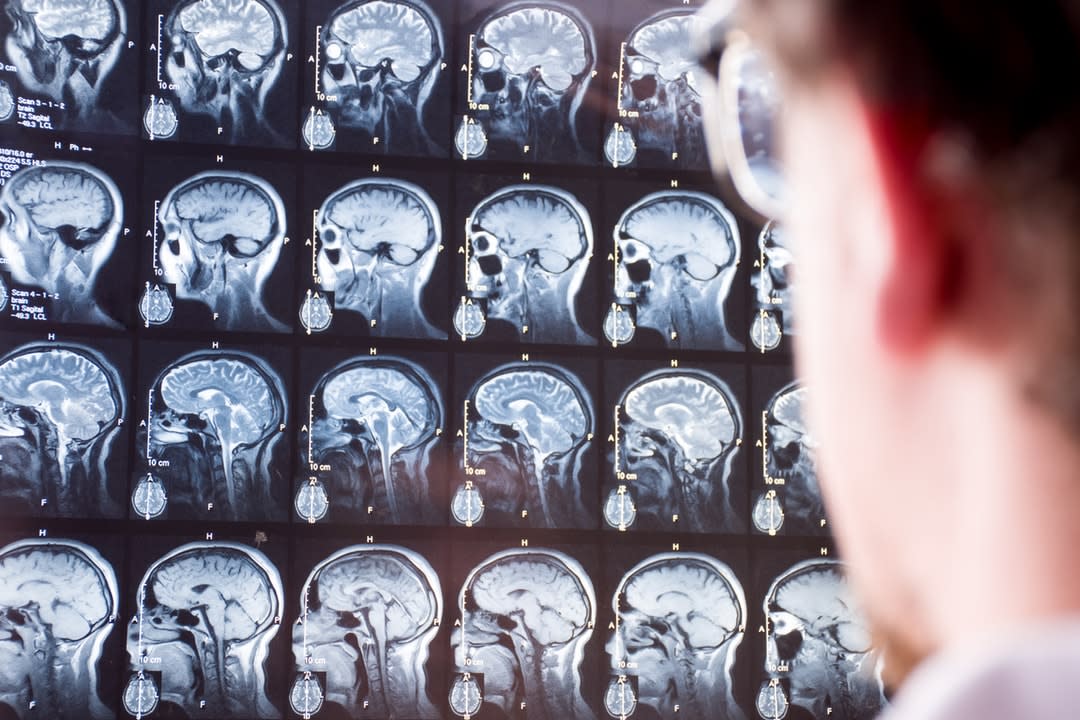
x: 742, y: 104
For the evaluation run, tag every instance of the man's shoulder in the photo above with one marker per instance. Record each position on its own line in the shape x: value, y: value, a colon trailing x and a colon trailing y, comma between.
x: 1033, y: 674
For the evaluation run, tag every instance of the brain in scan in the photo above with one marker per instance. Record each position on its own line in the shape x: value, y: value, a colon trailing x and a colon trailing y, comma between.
x: 374, y: 422
x: 379, y: 30
x: 209, y: 611
x: 60, y: 408
x: 229, y: 212
x: 539, y: 37
x: 678, y: 432
x: 72, y: 390
x: 682, y: 225
x: 372, y: 217
x: 543, y: 407
x: 215, y: 418
x: 58, y: 600
x: 667, y: 42
x: 527, y: 615
x: 382, y: 597
x: 221, y: 26
x: 533, y: 221
x: 69, y: 201
x: 90, y: 19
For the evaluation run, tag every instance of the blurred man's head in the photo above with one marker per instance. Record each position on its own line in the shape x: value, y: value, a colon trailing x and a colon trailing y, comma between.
x: 932, y: 150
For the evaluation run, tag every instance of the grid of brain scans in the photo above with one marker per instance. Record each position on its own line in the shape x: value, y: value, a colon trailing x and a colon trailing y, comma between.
x: 397, y: 359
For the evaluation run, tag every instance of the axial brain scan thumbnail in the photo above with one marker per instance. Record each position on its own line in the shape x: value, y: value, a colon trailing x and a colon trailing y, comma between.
x: 528, y: 427
x: 61, y: 407
x: 368, y: 615
x: 59, y: 602
x: 531, y: 67
x: 659, y: 101
x: 222, y: 57
x: 378, y: 242
x: 381, y: 60
x: 677, y: 252
x: 223, y: 233
x: 678, y: 436
x: 819, y: 655
x: 59, y: 224
x: 527, y: 615
x: 205, y: 615
x: 374, y: 422
x: 64, y: 51
x: 529, y: 247
x: 214, y: 420
x: 680, y: 619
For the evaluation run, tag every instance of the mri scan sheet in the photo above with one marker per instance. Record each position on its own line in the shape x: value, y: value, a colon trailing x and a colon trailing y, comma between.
x: 675, y: 625
x: 786, y: 497
x: 525, y: 645
x: 204, y: 632
x: 371, y: 446
x: 654, y: 117
x: 674, y: 448
x: 66, y: 245
x: 673, y: 270
x: 221, y: 71
x: 526, y: 269
x: 364, y: 643
x: 378, y: 77
x: 375, y: 262
x: 818, y: 657
x: 525, y: 449
x: 60, y: 602
x: 69, y: 66
x: 214, y: 440
x: 216, y: 247
x: 63, y: 428
x: 530, y: 77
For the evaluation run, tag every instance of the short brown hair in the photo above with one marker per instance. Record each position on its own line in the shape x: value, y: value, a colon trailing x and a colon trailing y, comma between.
x: 1005, y: 76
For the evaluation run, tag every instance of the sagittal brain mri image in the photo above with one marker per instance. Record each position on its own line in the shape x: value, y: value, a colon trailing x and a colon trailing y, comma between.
x: 204, y: 617
x: 818, y: 650
x: 677, y: 435
x: 380, y: 62
x: 793, y: 501
x: 679, y: 619
x: 373, y: 424
x: 676, y: 253
x: 773, y: 288
x: 62, y: 54
x: 659, y: 101
x: 367, y: 617
x: 214, y: 419
x: 527, y: 615
x: 59, y: 600
x: 59, y: 225
x: 219, y: 60
x: 378, y: 242
x: 61, y: 407
x: 220, y: 235
x: 527, y: 428
x: 530, y: 65
x: 528, y: 248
